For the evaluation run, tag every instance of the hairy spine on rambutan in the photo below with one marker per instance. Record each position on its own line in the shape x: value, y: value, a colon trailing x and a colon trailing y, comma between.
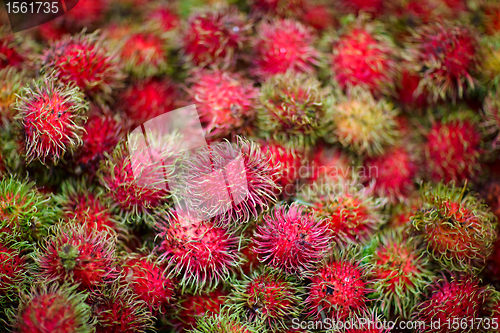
x: 460, y: 296
x: 283, y: 45
x: 339, y: 288
x: 51, y: 115
x: 400, y: 272
x: 14, y: 274
x: 458, y: 228
x: 148, y: 280
x: 293, y: 110
x: 224, y: 322
x: 447, y: 58
x: 266, y: 298
x: 198, y: 253
x: 51, y: 307
x: 292, y: 240
x: 351, y: 214
x: 227, y: 108
x: 85, y: 60
x: 215, y: 36
x: 361, y: 123
x: 72, y: 253
x: 12, y: 83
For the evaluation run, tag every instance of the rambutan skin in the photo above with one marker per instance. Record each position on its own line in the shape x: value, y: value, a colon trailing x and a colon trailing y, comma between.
x: 283, y: 45
x: 13, y: 271
x: 292, y: 240
x: 227, y: 108
x: 12, y: 83
x: 458, y: 228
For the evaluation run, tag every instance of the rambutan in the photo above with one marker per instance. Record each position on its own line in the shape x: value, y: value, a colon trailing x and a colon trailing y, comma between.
x: 25, y: 213
x: 199, y: 253
x: 277, y: 8
x: 86, y: 13
x: 367, y: 321
x: 74, y: 254
x: 394, y: 173
x: 12, y: 84
x: 459, y: 228
x: 230, y: 182
x: 400, y: 272
x: 329, y: 164
x: 215, y: 36
x: 266, y: 298
x: 347, y: 209
x: 193, y: 307
x: 117, y: 309
x: 85, y: 60
x: 51, y: 115
x: 491, y: 22
x: 339, y: 288
x: 50, y: 307
x: 491, y: 120
x: 164, y: 18
x: 14, y: 48
x: 363, y: 56
x: 490, y: 65
x: 226, y: 108
x: 292, y: 240
x: 148, y: 280
x: 223, y: 322
x: 493, y: 263
x: 292, y: 110
x: 147, y: 99
x: 410, y: 98
x: 144, y: 54
x: 459, y: 297
x: 374, y: 7
x: 13, y: 271
x: 447, y: 57
x: 452, y: 148
x: 283, y: 45
x: 363, y: 124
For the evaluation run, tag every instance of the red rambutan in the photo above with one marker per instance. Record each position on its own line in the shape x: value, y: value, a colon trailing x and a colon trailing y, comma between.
x: 51, y: 115
x: 214, y: 36
x: 226, y: 108
x: 14, y: 49
x: 74, y: 254
x: 329, y: 164
x: 13, y: 271
x: 374, y: 7
x: 459, y: 228
x: 283, y: 45
x: 164, y: 17
x: 292, y: 240
x: 223, y: 322
x: 277, y: 8
x: 409, y: 96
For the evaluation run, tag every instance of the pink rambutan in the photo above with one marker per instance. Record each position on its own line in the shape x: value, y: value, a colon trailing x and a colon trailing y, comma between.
x: 446, y: 57
x: 85, y: 60
x: 267, y: 298
x: 144, y: 54
x: 50, y: 307
x: 462, y: 297
x: 250, y: 181
x: 453, y: 147
x: 227, y: 108
x: 192, y: 307
x: 215, y: 36
x: 148, y: 280
x: 292, y: 240
x: 458, y: 228
x: 149, y: 98
x: 199, y: 253
x: 74, y: 254
x: 363, y: 56
x: 283, y: 45
x: 393, y: 174
x: 339, y: 288
x: 51, y: 115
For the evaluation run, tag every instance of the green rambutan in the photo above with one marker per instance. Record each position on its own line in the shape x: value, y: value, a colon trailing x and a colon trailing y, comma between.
x: 200, y: 254
x: 266, y: 298
x: 293, y: 110
x: 490, y: 65
x: 400, y: 272
x: 292, y: 240
x: 214, y: 36
x: 461, y: 297
x: 447, y: 57
x: 283, y: 45
x: 227, y: 108
x: 51, y: 115
x: 72, y: 253
x: 340, y: 287
x: 50, y: 307
x: 12, y: 83
x: 363, y: 124
x: 85, y: 60
x: 458, y: 228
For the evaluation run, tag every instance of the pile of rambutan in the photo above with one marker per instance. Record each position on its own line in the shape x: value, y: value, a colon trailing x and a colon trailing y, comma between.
x: 252, y: 166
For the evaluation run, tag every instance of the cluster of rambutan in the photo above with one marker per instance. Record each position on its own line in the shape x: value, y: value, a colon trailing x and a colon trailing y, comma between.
x: 348, y: 174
